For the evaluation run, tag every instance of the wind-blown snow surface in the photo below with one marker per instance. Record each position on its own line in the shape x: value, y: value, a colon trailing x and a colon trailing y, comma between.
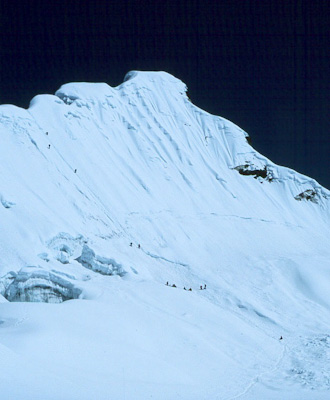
x: 93, y: 172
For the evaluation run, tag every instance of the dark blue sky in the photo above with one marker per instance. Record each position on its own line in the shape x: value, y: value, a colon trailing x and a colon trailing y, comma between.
x: 262, y: 64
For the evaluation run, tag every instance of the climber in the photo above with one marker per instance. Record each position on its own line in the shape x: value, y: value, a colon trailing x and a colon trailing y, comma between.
x: 204, y: 286
x: 49, y: 146
x: 139, y: 246
x: 201, y: 287
x: 174, y: 285
x: 167, y: 283
x: 131, y: 244
x: 190, y: 290
x: 184, y: 288
x: 281, y: 337
x: 75, y: 171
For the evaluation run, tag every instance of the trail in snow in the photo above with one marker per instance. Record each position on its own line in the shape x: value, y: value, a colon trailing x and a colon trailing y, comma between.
x: 256, y: 380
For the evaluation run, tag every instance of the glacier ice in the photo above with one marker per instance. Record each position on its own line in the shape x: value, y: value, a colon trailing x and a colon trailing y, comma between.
x: 6, y: 203
x: 154, y: 169
x: 103, y: 265
x: 36, y: 285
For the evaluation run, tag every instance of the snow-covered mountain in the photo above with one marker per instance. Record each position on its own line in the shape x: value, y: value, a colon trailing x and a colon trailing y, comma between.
x: 108, y: 193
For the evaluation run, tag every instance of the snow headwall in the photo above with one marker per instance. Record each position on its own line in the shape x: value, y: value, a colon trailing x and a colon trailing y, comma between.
x: 103, y: 172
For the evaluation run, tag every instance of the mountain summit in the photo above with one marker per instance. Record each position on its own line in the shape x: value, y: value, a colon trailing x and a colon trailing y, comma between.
x: 123, y: 199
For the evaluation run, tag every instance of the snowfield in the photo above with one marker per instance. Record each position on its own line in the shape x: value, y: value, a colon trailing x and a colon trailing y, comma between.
x: 107, y: 194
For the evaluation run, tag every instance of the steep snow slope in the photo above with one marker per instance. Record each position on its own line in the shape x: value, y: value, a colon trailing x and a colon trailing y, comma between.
x: 108, y: 193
